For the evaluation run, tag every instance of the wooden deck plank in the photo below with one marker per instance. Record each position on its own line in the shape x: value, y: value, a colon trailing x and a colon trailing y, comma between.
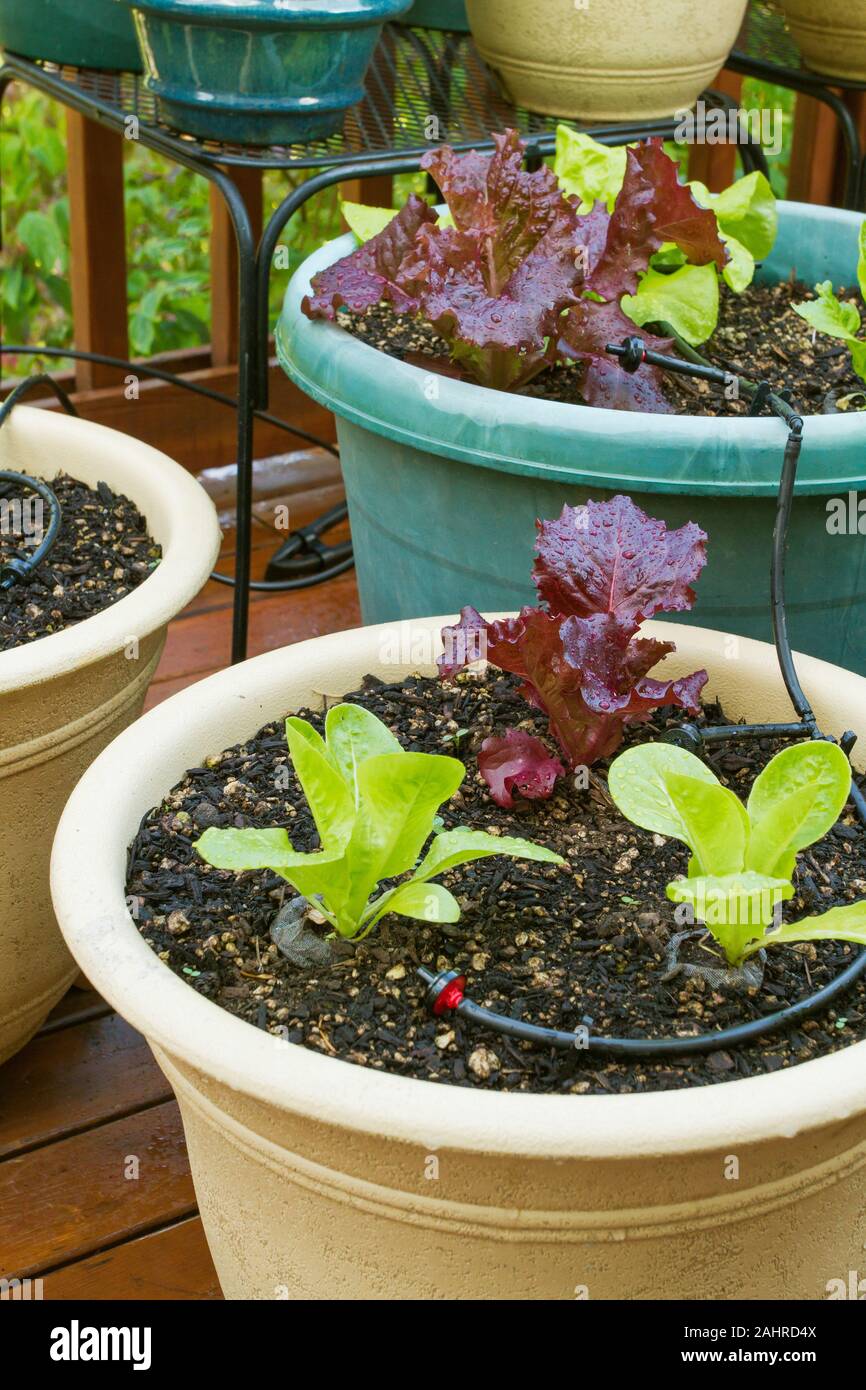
x: 74, y: 1198
x: 171, y: 1264
x: 283, y: 475
x: 198, y: 644
x: 70, y: 1080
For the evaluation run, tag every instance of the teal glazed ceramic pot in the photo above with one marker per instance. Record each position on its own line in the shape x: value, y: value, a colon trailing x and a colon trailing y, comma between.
x: 259, y: 72
x: 438, y: 14
x: 78, y: 33
x: 445, y: 479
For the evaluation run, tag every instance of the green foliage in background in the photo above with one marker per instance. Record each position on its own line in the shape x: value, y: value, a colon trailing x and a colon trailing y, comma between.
x: 34, y: 286
x: 761, y: 96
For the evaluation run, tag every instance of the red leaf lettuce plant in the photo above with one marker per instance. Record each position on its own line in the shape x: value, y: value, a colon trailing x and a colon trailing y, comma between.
x: 515, y: 279
x: 600, y: 571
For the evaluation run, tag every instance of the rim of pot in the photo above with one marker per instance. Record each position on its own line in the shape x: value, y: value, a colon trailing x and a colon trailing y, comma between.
x: 265, y: 14
x: 179, y: 516
x: 128, y: 778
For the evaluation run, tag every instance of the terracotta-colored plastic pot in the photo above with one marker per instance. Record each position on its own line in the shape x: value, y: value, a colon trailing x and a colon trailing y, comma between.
x: 831, y: 35
x: 64, y: 697
x: 320, y: 1179
x: 635, y: 59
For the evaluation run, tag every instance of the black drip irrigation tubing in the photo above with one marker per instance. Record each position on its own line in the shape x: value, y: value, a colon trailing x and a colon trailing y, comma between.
x: 450, y: 984
x: 18, y: 567
x: 124, y: 364
x: 446, y: 990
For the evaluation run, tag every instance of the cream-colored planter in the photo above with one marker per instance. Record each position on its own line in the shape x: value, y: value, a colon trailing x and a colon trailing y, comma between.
x: 63, y: 698
x: 321, y: 1179
x: 634, y: 59
x: 831, y: 35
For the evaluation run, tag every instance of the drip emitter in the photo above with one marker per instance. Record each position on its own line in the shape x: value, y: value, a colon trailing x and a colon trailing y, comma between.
x: 446, y: 990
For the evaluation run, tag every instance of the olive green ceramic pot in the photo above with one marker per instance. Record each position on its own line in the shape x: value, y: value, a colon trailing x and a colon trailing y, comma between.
x: 831, y: 35
x: 586, y: 59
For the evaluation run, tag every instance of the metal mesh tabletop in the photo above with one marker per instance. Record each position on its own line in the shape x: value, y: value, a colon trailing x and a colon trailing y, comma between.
x: 765, y: 37
x: 423, y: 87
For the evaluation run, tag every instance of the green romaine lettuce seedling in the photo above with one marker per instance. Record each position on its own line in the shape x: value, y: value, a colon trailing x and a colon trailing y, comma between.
x: 374, y: 805
x: 686, y: 298
x: 837, y: 318
x: 742, y: 857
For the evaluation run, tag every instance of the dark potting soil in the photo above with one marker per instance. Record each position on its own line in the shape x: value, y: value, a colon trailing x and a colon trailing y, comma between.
x: 102, y: 553
x: 758, y: 336
x: 581, y: 944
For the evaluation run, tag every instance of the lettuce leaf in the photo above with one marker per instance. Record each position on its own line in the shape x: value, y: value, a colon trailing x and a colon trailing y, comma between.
x: 828, y: 314
x: 652, y: 208
x: 515, y: 278
x: 493, y: 283
x: 838, y: 319
x: 745, y: 210
x: 367, y: 222
x: 364, y: 221
x: 739, y: 273
x: 653, y: 211
x: 498, y: 329
x: 743, y: 857
x: 372, y: 273
x: 687, y: 299
x: 588, y: 170
x: 610, y: 557
x: 518, y: 762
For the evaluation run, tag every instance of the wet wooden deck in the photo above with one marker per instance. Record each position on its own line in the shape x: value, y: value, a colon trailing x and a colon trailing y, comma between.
x: 96, y: 1198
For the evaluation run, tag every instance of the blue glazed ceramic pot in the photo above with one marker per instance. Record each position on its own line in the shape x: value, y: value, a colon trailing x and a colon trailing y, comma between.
x: 438, y: 14
x: 444, y: 485
x: 259, y: 72
x: 82, y: 33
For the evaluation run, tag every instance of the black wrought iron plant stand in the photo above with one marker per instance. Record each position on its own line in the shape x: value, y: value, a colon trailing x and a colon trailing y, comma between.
x: 416, y: 76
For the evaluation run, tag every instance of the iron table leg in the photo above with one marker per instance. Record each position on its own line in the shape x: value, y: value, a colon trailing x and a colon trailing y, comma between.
x: 247, y: 392
x: 812, y: 86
